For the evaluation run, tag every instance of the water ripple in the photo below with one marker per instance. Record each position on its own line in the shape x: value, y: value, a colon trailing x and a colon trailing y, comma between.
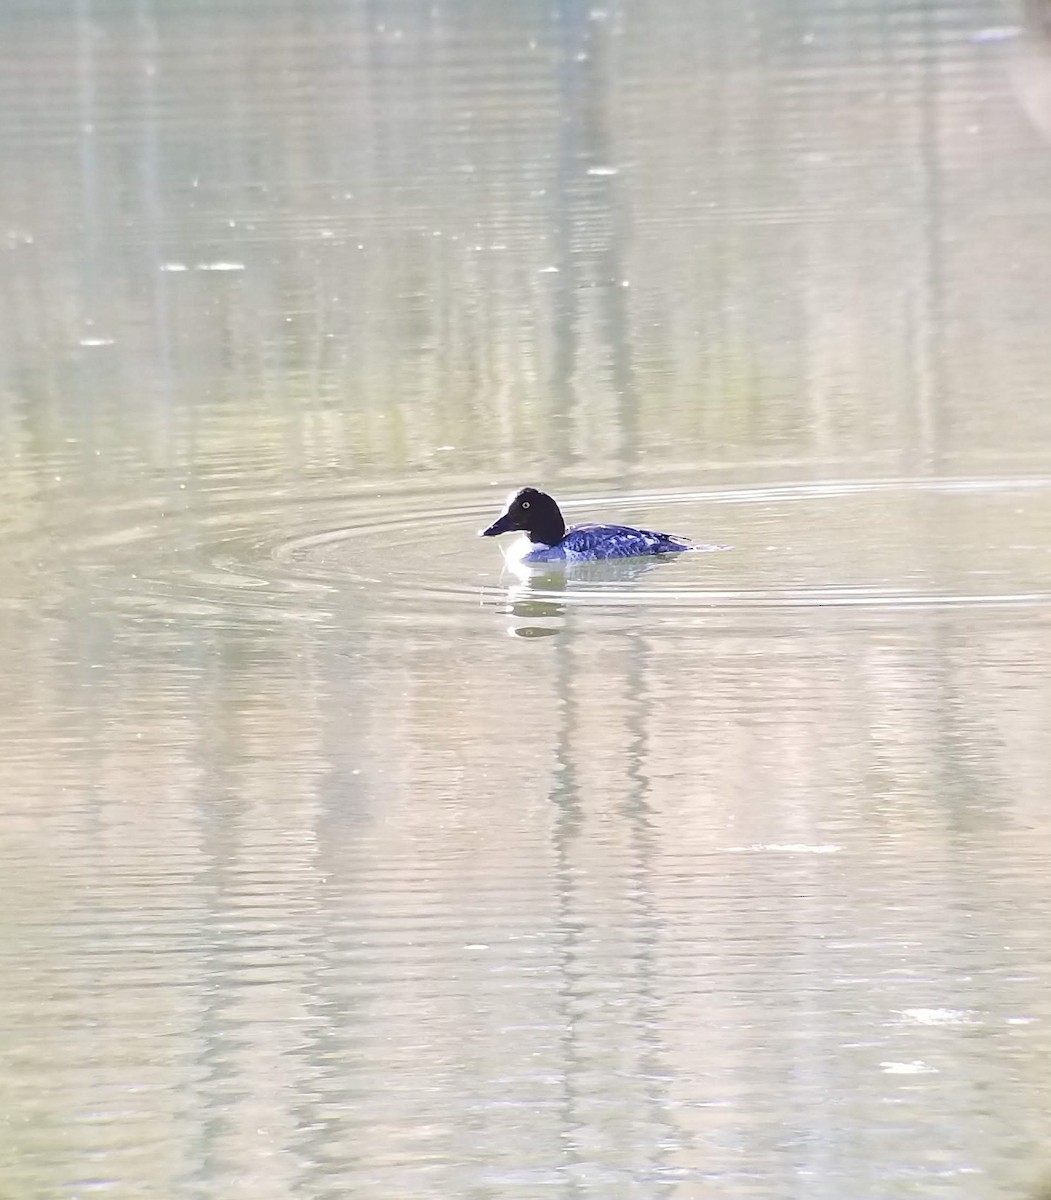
x: 412, y: 554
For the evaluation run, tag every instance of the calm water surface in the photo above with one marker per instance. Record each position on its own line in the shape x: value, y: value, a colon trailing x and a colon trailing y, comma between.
x: 335, y: 859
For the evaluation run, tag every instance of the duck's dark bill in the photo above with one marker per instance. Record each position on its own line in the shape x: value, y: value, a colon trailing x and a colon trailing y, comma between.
x: 500, y: 525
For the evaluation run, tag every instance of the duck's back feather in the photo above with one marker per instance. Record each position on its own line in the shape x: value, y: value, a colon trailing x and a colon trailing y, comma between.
x: 618, y: 541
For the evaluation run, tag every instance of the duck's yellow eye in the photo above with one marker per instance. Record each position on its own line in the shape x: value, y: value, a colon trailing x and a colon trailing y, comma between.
x: 525, y: 503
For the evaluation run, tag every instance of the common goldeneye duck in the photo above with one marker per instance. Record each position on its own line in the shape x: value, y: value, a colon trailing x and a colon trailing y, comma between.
x: 548, y: 539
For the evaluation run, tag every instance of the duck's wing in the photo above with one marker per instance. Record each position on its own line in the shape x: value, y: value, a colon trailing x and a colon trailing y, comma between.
x: 619, y: 541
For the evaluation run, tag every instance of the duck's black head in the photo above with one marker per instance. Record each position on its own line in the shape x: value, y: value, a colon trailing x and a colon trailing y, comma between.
x: 533, y: 511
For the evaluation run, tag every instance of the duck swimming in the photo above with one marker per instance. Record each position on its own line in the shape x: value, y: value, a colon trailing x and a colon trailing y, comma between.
x: 548, y: 540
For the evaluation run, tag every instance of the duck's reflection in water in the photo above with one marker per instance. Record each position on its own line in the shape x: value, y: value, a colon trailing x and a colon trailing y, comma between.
x: 545, y: 592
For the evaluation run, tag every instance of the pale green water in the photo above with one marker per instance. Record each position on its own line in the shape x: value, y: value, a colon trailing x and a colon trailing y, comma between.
x: 335, y: 861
